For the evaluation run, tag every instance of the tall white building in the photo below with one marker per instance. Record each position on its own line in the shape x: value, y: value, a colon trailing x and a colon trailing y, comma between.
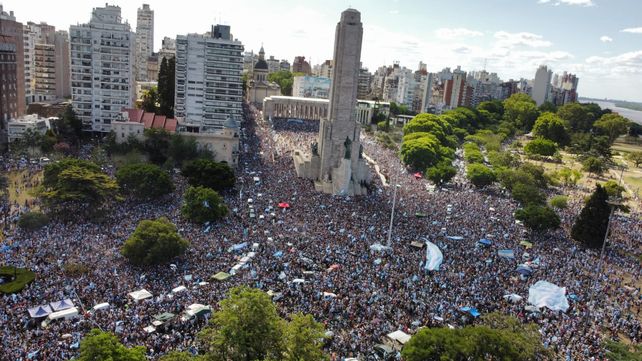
x: 144, y: 40
x: 102, y: 66
x: 208, y: 78
x: 542, y: 85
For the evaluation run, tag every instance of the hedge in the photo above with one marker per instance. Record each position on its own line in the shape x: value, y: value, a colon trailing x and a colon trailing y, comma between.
x: 23, y: 278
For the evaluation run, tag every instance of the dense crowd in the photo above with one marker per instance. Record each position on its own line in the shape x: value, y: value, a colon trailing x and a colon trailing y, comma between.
x: 360, y: 294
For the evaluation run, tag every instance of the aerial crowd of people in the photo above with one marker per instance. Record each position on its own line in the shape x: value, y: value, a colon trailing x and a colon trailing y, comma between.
x: 323, y: 255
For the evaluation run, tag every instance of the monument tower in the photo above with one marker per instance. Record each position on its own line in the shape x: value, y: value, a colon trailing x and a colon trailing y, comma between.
x: 335, y: 162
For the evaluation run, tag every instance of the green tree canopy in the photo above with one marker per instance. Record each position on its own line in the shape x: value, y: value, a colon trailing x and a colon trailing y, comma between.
x: 635, y: 157
x: 181, y: 356
x: 540, y: 146
x: 32, y: 221
x: 157, y: 145
x: 590, y: 227
x: 75, y: 184
x: 538, y: 218
x: 480, y: 175
x: 150, y: 100
x: 203, y: 205
x: 166, y: 86
x: 576, y: 117
x: 303, y: 339
x: 146, y: 181
x: 520, y: 110
x: 441, y: 173
x: 103, y: 346
x: 595, y: 165
x: 285, y: 79
x: 246, y: 327
x: 154, y: 242
x: 612, y: 125
x: 429, y: 123
x: 421, y: 153
x: 527, y: 193
x: 210, y: 174
x: 550, y: 126
x: 559, y: 202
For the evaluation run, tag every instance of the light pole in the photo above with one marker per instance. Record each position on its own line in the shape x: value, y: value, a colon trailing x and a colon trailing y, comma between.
x: 392, y: 212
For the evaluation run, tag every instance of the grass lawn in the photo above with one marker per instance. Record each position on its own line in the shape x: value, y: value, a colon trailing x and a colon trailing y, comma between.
x: 24, y: 194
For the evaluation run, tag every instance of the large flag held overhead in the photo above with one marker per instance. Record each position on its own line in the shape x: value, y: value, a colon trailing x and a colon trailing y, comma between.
x: 434, y: 257
x: 546, y: 294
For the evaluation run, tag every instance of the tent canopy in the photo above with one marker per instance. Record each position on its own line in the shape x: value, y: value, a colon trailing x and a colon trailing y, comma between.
x: 62, y: 305
x: 164, y: 317
x: 40, y: 311
x: 140, y: 294
x: 399, y: 336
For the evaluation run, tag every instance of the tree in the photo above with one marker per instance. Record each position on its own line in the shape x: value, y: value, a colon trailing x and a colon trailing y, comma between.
x: 156, y: 145
x: 520, y: 110
x: 559, y: 202
x: 550, y: 126
x: 203, y: 205
x: 183, y: 148
x: 154, y: 242
x: 538, y: 218
x: 74, y: 184
x: 247, y: 327
x: 635, y: 129
x: 303, y: 339
x: 480, y: 175
x: 208, y: 173
x: 618, y: 351
x: 594, y: 165
x: 441, y: 173
x: 69, y: 126
x: 612, y: 125
x: 102, y: 346
x: 503, y: 159
x: 613, y: 189
x: 576, y: 116
x: 420, y: 153
x: 590, y: 227
x: 285, y: 79
x: 32, y: 221
x: 166, y: 86
x: 569, y: 176
x: 150, y: 100
x: 547, y: 106
x: 526, y: 194
x: 146, y: 181
x: 540, y: 146
x: 635, y: 157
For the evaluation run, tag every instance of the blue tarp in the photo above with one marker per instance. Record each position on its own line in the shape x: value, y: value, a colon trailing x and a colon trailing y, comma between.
x: 506, y: 253
x: 470, y: 310
x: 485, y: 242
x: 278, y: 254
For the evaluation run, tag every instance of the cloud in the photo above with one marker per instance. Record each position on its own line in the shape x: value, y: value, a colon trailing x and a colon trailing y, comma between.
x: 625, y: 64
x: 568, y: 2
x: 511, y: 40
x: 633, y: 30
x: 393, y: 12
x: 456, y: 33
x: 606, y: 39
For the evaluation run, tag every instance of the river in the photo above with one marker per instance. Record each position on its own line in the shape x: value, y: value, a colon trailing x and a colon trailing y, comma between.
x: 633, y: 115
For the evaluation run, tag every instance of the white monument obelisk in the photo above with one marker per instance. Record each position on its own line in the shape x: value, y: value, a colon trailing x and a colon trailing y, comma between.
x: 336, y: 163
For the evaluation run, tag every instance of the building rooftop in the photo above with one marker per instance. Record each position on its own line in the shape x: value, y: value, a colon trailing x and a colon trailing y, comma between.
x: 150, y: 120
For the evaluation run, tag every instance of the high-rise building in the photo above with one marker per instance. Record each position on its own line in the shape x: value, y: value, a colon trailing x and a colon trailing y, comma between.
x: 63, y: 75
x: 40, y: 62
x: 12, y: 32
x: 144, y: 40
x: 456, y: 90
x: 542, y: 85
x: 336, y: 162
x: 301, y: 66
x: 8, y: 87
x: 427, y: 92
x: 208, y: 78
x: 168, y: 49
x: 102, y: 67
x: 363, y: 89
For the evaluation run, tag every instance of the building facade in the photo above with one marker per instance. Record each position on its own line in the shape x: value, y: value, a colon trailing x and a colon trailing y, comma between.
x: 144, y: 40
x: 208, y: 78
x: 12, y: 32
x: 102, y: 68
x: 259, y: 87
x: 8, y: 87
x: 542, y: 85
x: 307, y: 86
x: 62, y: 64
x: 301, y: 66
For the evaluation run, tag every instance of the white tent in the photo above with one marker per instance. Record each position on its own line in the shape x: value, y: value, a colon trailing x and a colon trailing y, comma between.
x: 399, y: 336
x: 434, y: 257
x: 100, y: 306
x: 298, y: 280
x: 179, y: 289
x: 546, y: 294
x: 40, y: 311
x: 140, y: 294
x: 62, y: 305
x: 149, y: 329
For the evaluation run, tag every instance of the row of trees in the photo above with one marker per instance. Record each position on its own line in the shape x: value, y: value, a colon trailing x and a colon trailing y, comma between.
x: 160, y: 99
x: 246, y: 327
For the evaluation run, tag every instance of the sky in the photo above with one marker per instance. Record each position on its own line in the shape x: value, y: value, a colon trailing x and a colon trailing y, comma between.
x: 599, y: 40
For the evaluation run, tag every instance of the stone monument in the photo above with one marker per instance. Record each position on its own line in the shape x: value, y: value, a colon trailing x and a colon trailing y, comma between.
x: 335, y: 162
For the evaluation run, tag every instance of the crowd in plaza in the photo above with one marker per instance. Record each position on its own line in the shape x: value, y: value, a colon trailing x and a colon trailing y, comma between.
x: 317, y: 257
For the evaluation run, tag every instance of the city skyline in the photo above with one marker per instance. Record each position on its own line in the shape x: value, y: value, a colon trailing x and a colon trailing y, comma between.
x: 599, y: 41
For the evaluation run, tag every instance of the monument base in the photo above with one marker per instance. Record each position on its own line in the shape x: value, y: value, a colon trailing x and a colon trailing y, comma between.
x: 343, y: 178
